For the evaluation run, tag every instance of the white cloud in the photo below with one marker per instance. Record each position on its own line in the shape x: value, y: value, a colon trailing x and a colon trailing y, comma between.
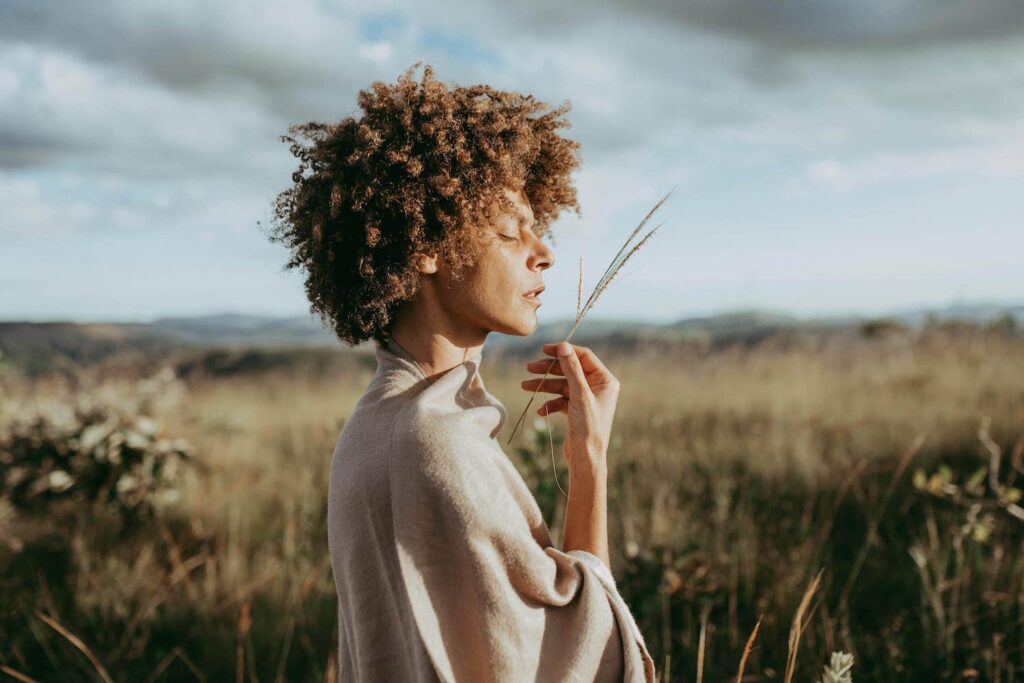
x: 9, y: 81
x: 995, y: 161
x: 379, y: 51
x: 29, y: 212
x: 65, y: 81
x: 159, y: 123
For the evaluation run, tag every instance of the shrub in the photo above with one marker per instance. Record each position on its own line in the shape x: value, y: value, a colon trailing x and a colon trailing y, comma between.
x: 91, y: 451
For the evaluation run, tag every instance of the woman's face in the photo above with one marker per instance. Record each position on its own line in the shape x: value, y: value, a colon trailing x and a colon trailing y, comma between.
x: 492, y: 295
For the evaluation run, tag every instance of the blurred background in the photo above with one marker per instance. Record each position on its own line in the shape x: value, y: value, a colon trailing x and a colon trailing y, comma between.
x: 821, y: 349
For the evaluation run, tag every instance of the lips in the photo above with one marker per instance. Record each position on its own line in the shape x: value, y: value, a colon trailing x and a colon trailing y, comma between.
x: 535, y: 292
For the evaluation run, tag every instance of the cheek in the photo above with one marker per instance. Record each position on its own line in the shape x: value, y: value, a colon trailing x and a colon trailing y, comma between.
x: 510, y: 275
x: 498, y: 281
x: 482, y: 284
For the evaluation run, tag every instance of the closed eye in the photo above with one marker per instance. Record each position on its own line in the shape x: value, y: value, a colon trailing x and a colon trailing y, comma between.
x: 508, y: 237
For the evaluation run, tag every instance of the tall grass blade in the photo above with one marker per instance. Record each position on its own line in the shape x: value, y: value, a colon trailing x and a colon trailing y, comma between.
x: 746, y: 651
x: 623, y: 255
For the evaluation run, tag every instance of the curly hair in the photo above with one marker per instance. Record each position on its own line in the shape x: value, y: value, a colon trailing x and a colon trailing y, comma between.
x: 414, y: 174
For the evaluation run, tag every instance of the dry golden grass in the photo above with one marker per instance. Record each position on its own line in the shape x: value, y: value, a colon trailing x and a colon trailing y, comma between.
x: 746, y: 652
x: 732, y: 472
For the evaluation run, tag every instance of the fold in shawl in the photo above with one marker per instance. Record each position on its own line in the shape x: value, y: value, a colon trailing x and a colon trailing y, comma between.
x: 442, y: 560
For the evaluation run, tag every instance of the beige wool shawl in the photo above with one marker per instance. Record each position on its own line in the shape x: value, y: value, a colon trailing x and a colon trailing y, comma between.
x: 443, y: 563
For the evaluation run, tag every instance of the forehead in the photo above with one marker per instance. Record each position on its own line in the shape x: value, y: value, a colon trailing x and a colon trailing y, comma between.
x: 521, y: 211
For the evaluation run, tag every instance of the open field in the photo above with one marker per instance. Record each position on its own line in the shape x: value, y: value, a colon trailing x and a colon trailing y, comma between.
x: 891, y: 463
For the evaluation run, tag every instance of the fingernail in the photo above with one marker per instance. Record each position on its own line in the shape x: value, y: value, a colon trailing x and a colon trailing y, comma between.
x: 564, y: 349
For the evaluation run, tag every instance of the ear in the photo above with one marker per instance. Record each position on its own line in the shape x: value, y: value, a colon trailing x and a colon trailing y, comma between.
x: 426, y: 263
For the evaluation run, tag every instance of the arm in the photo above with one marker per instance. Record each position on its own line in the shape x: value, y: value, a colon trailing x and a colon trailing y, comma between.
x: 586, y: 513
x: 587, y: 392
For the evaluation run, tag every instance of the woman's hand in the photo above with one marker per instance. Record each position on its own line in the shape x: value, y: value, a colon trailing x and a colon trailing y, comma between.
x: 588, y: 393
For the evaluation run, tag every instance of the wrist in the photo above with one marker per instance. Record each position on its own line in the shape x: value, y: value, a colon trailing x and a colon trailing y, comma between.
x: 589, y: 472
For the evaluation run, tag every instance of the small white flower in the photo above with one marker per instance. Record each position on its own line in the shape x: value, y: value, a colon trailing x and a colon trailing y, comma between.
x: 146, y: 425
x: 127, y: 483
x: 136, y: 440
x: 92, y: 436
x: 839, y: 668
x: 60, y: 480
x: 167, y: 497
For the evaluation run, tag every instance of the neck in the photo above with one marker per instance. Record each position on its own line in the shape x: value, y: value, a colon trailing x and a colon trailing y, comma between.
x: 437, y: 342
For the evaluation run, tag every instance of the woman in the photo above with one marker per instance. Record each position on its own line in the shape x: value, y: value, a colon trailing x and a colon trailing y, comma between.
x: 419, y: 225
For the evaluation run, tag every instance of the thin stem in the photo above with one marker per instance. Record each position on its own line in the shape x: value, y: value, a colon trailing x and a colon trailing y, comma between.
x: 613, y: 269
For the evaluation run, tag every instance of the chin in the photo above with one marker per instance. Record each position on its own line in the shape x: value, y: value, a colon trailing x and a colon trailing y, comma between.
x: 521, y: 327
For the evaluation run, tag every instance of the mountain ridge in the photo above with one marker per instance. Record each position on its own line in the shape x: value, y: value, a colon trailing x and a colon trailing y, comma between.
x: 35, y: 347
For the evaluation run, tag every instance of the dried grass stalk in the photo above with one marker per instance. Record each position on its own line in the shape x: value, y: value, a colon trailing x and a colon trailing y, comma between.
x: 746, y: 651
x: 623, y: 255
x: 101, y: 671
x: 797, y: 627
x: 702, y: 643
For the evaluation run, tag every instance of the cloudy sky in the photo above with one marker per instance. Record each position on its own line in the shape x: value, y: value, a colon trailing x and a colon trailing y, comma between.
x: 829, y: 157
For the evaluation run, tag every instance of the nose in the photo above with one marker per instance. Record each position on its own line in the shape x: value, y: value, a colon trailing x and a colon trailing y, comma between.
x: 543, y: 257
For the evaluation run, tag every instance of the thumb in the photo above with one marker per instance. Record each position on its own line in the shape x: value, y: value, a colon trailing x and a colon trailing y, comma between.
x: 572, y: 369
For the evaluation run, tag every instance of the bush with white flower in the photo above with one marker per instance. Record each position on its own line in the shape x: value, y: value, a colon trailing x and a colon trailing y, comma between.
x: 90, y: 451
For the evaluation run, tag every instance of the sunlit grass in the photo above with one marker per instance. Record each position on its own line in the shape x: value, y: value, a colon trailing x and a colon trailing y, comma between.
x: 734, y: 476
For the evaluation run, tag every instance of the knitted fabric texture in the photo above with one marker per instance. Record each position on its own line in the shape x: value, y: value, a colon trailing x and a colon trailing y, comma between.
x: 442, y: 561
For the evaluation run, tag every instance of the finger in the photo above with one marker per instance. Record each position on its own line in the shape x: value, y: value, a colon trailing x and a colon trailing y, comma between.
x: 558, y: 405
x: 570, y: 362
x: 588, y: 360
x: 553, y: 386
x: 548, y: 365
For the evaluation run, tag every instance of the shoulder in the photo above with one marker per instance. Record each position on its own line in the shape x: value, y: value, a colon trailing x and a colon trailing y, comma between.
x: 433, y: 434
x: 449, y: 451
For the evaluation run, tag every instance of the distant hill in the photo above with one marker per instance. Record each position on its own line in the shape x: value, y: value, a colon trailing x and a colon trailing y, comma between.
x: 34, y: 348
x: 234, y: 329
x: 980, y: 313
x: 744, y: 326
